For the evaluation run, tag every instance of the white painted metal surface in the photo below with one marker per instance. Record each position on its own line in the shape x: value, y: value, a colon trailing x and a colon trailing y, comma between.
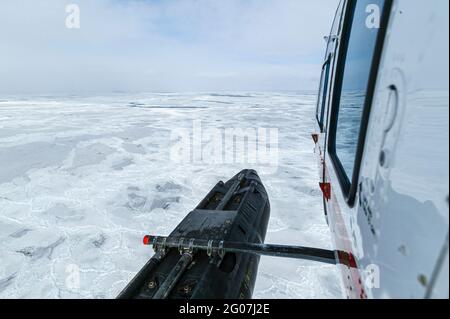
x: 398, y: 228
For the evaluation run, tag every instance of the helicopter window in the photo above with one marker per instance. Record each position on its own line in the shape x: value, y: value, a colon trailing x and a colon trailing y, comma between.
x: 325, y: 80
x: 323, y: 94
x: 318, y: 100
x: 356, y: 76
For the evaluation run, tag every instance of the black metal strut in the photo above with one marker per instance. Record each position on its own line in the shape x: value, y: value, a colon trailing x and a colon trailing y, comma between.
x: 220, y: 248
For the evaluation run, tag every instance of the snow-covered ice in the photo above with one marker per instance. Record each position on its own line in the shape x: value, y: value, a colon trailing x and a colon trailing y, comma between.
x: 82, y: 179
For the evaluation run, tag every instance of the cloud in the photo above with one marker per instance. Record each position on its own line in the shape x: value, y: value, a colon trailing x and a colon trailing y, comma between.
x: 171, y: 45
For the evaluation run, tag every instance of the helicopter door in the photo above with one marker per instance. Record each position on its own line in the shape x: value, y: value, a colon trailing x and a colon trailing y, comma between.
x: 355, y: 82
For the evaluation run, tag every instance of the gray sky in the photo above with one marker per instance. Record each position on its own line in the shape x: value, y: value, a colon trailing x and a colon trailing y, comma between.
x: 162, y: 45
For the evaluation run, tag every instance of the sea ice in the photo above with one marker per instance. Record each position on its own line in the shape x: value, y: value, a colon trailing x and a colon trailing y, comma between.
x: 82, y: 179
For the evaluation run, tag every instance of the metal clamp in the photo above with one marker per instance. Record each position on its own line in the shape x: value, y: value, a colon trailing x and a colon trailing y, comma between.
x: 160, y: 247
x: 190, y: 249
x: 209, y: 249
x: 155, y: 244
x: 221, y: 251
x: 180, y: 246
